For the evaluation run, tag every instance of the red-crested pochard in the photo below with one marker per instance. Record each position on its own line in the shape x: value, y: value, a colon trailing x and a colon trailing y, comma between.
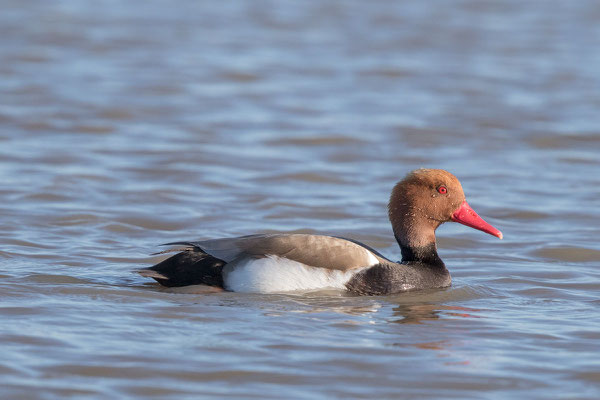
x: 422, y: 201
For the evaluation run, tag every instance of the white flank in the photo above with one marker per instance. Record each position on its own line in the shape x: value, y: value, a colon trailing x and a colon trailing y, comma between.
x: 372, y: 259
x: 277, y: 274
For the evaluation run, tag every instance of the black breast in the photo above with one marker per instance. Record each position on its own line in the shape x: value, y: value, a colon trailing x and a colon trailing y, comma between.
x: 395, y: 278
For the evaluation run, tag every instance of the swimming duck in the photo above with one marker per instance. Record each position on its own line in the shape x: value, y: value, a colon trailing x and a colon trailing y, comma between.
x: 265, y: 263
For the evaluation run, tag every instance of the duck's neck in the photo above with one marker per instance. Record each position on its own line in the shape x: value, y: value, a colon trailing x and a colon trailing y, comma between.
x: 417, y: 243
x: 424, y: 255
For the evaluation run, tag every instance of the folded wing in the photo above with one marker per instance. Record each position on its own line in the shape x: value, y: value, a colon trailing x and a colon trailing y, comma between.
x: 313, y: 250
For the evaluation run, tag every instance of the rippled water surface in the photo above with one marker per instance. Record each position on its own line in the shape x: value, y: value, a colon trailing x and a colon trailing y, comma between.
x: 129, y: 124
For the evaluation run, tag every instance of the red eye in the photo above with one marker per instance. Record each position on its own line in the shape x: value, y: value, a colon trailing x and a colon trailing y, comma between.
x: 442, y: 190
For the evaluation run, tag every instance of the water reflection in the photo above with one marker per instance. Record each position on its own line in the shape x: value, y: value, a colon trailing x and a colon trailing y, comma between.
x: 415, y: 313
x: 409, y: 308
x: 420, y: 313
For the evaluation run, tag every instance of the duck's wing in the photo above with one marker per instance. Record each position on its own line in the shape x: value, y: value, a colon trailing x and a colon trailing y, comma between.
x: 314, y: 250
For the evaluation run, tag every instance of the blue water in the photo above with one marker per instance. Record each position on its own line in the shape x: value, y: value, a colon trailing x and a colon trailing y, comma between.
x: 129, y: 124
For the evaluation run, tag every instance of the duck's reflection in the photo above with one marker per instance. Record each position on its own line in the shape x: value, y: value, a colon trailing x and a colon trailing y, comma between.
x: 415, y: 313
x: 419, y: 313
x: 408, y: 309
x: 448, y: 349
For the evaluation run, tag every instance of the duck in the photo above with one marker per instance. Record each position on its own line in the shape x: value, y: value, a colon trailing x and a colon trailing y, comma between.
x: 285, y: 262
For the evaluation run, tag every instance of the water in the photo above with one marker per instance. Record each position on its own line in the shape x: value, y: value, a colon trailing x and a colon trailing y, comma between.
x: 129, y: 124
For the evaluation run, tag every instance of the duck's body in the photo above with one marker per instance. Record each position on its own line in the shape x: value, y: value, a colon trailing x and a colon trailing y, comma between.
x: 286, y: 262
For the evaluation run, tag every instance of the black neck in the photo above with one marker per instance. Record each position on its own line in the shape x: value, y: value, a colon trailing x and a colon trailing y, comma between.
x: 424, y: 254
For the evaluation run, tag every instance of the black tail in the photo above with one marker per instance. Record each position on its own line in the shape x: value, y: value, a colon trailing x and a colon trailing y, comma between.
x: 190, y: 267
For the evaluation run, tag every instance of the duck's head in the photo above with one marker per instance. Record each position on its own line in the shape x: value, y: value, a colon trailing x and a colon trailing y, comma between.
x: 425, y: 199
